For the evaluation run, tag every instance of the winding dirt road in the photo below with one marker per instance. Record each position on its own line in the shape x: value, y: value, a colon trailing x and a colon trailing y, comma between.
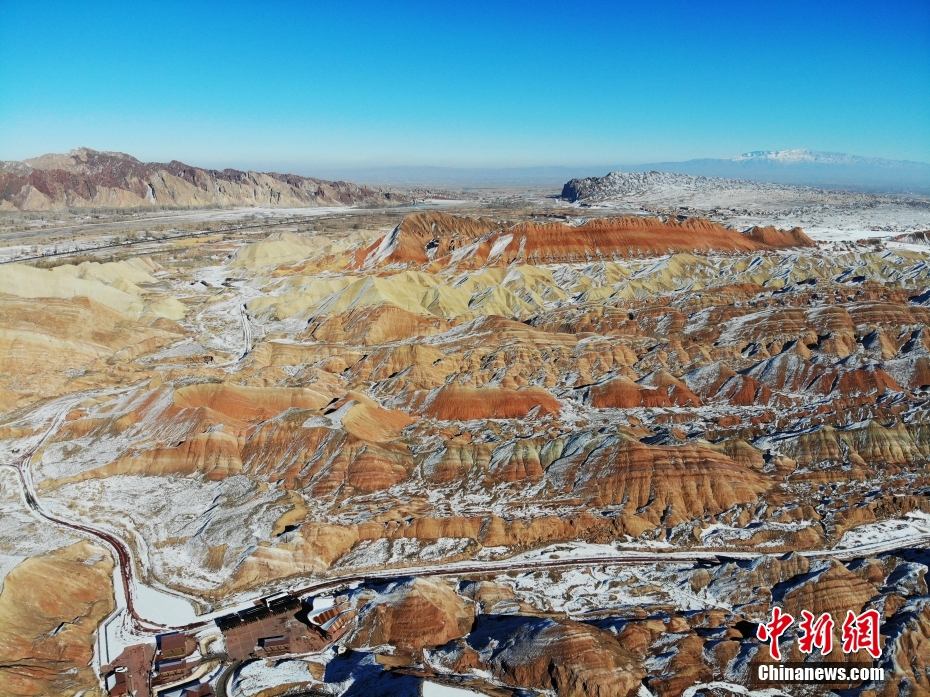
x: 120, y: 550
x: 144, y: 625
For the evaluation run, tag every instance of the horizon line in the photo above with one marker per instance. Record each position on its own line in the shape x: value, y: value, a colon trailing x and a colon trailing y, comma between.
x: 467, y: 167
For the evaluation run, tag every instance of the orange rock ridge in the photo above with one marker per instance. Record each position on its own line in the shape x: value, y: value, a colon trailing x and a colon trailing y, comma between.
x: 436, y: 238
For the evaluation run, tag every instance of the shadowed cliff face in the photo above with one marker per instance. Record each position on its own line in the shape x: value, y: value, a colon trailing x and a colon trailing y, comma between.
x: 610, y: 630
x: 87, y: 178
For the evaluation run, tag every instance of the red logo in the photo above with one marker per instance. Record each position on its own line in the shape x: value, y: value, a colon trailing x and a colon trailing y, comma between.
x: 860, y: 632
x: 816, y: 633
x: 770, y: 631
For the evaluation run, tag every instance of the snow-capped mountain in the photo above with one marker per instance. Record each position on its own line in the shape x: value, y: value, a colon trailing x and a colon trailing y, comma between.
x: 829, y: 170
x: 809, y: 168
x: 798, y: 155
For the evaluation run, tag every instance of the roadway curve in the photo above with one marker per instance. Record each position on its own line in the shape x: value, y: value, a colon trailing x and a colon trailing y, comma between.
x: 121, y: 552
x: 144, y: 625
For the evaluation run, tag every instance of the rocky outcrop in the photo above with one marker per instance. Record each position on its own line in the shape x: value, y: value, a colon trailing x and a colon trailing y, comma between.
x: 465, y: 404
x: 422, y: 237
x: 665, y: 484
x: 757, y: 200
x: 50, y: 607
x: 439, y: 239
x: 569, y: 658
x: 79, y: 325
x: 374, y: 325
x: 772, y: 237
x: 414, y: 615
x: 223, y: 401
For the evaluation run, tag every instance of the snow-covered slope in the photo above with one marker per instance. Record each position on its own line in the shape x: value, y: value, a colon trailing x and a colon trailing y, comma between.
x: 827, y: 214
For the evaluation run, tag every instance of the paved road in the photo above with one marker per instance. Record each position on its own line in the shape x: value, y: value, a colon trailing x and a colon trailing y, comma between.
x: 153, y: 241
x: 119, y: 548
x: 688, y: 557
x: 127, y: 225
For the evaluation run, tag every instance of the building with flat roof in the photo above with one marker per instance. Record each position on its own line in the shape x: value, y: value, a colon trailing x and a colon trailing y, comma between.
x: 270, y: 628
x: 175, y: 645
x: 172, y: 669
x: 272, y: 645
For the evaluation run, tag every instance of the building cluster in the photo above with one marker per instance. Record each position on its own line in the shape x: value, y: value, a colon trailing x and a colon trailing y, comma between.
x: 280, y: 625
x: 143, y: 670
x: 173, y: 657
x: 130, y: 674
x: 276, y: 626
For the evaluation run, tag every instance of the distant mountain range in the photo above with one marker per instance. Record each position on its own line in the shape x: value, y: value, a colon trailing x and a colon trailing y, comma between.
x: 829, y: 170
x: 796, y: 166
x: 86, y: 178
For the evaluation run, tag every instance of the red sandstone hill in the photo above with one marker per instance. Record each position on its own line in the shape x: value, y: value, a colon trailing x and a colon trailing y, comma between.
x: 422, y: 237
x: 773, y: 237
x: 444, y: 239
x: 464, y: 403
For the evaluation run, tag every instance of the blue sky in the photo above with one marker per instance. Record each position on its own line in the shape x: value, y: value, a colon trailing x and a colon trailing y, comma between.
x: 296, y: 85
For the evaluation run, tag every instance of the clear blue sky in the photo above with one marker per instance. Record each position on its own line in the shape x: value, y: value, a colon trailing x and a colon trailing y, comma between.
x: 291, y: 85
